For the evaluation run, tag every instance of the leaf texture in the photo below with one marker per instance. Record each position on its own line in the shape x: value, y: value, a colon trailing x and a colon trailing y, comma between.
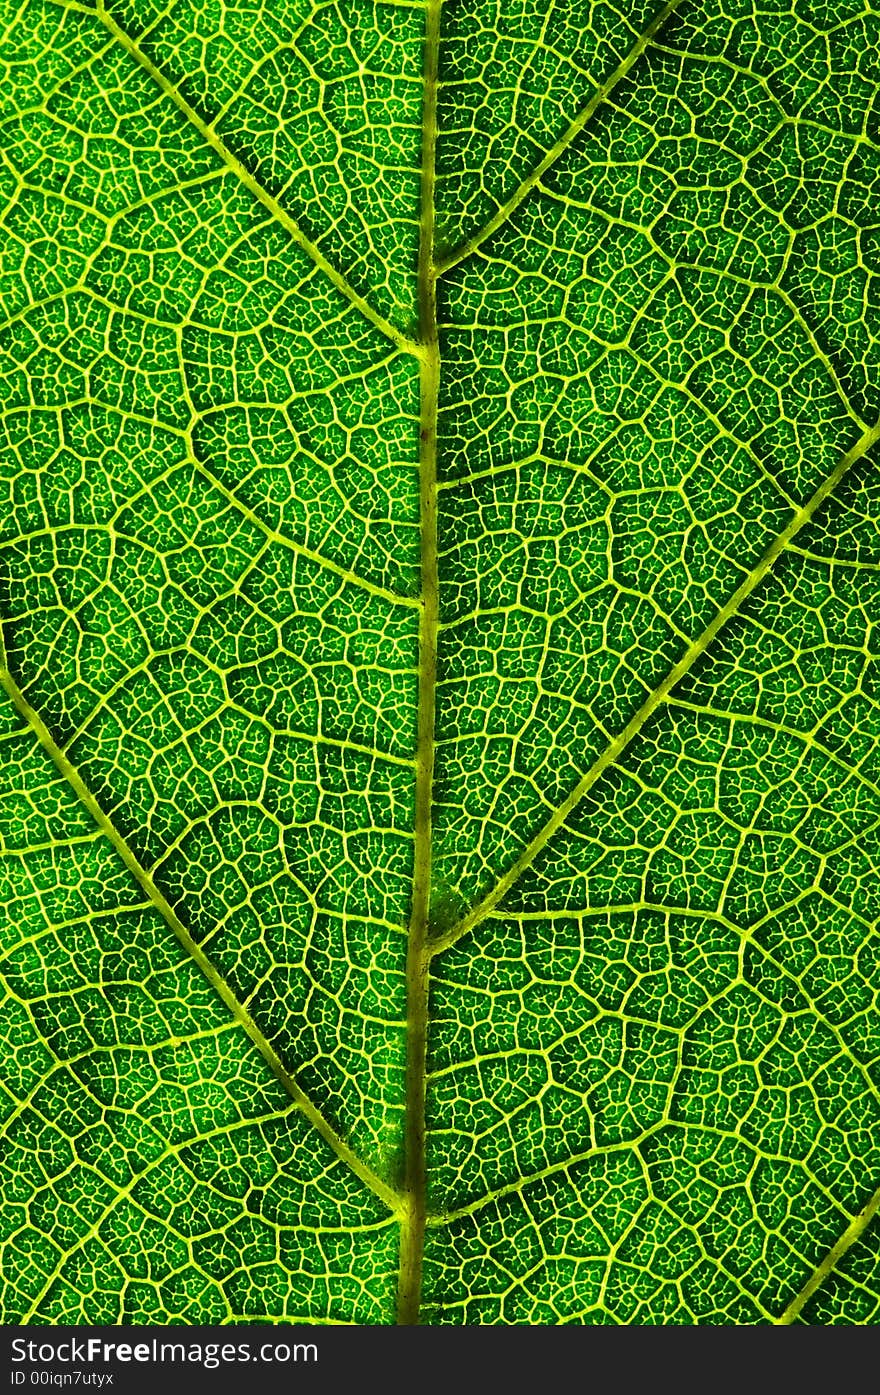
x: 440, y: 580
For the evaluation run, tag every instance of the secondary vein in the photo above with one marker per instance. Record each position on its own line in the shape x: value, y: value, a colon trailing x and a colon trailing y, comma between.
x: 66, y: 768
x: 413, y: 1229
x: 266, y: 199
x: 856, y: 1228
x: 506, y: 211
x: 618, y: 745
x: 275, y: 536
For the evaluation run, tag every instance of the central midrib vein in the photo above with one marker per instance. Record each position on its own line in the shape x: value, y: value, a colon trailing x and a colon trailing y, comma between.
x: 413, y: 1225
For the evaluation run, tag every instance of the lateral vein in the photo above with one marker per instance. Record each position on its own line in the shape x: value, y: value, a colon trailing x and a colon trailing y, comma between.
x: 615, y: 748
x: 506, y: 211
x: 66, y: 768
x: 854, y: 1231
x: 238, y: 168
x: 282, y: 540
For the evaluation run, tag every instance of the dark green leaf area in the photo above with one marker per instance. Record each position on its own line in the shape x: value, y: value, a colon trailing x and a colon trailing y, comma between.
x: 849, y: 1296
x: 638, y: 801
x: 624, y: 432
x: 210, y: 428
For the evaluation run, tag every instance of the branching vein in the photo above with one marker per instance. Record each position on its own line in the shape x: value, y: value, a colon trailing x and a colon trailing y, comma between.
x: 615, y: 749
x: 268, y: 201
x: 508, y: 208
x: 145, y: 880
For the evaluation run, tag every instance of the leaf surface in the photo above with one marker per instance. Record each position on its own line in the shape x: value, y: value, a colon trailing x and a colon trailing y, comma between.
x: 439, y: 584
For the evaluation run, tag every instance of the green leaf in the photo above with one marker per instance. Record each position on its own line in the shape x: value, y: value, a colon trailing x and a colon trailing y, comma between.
x: 440, y: 584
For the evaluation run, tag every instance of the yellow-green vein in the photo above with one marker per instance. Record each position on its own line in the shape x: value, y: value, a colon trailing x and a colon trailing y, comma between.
x: 856, y: 1228
x: 237, y: 167
x: 615, y: 748
x: 507, y: 209
x: 212, y: 974
x: 413, y: 1228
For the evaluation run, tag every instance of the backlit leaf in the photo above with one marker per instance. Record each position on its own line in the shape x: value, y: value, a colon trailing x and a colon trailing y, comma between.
x: 440, y: 585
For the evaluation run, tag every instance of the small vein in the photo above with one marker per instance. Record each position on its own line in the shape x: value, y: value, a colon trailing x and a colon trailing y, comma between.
x: 506, y: 211
x: 775, y: 286
x: 806, y: 738
x: 438, y: 1219
x: 618, y: 745
x: 238, y: 168
x: 146, y: 882
x: 126, y: 1193
x: 282, y: 540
